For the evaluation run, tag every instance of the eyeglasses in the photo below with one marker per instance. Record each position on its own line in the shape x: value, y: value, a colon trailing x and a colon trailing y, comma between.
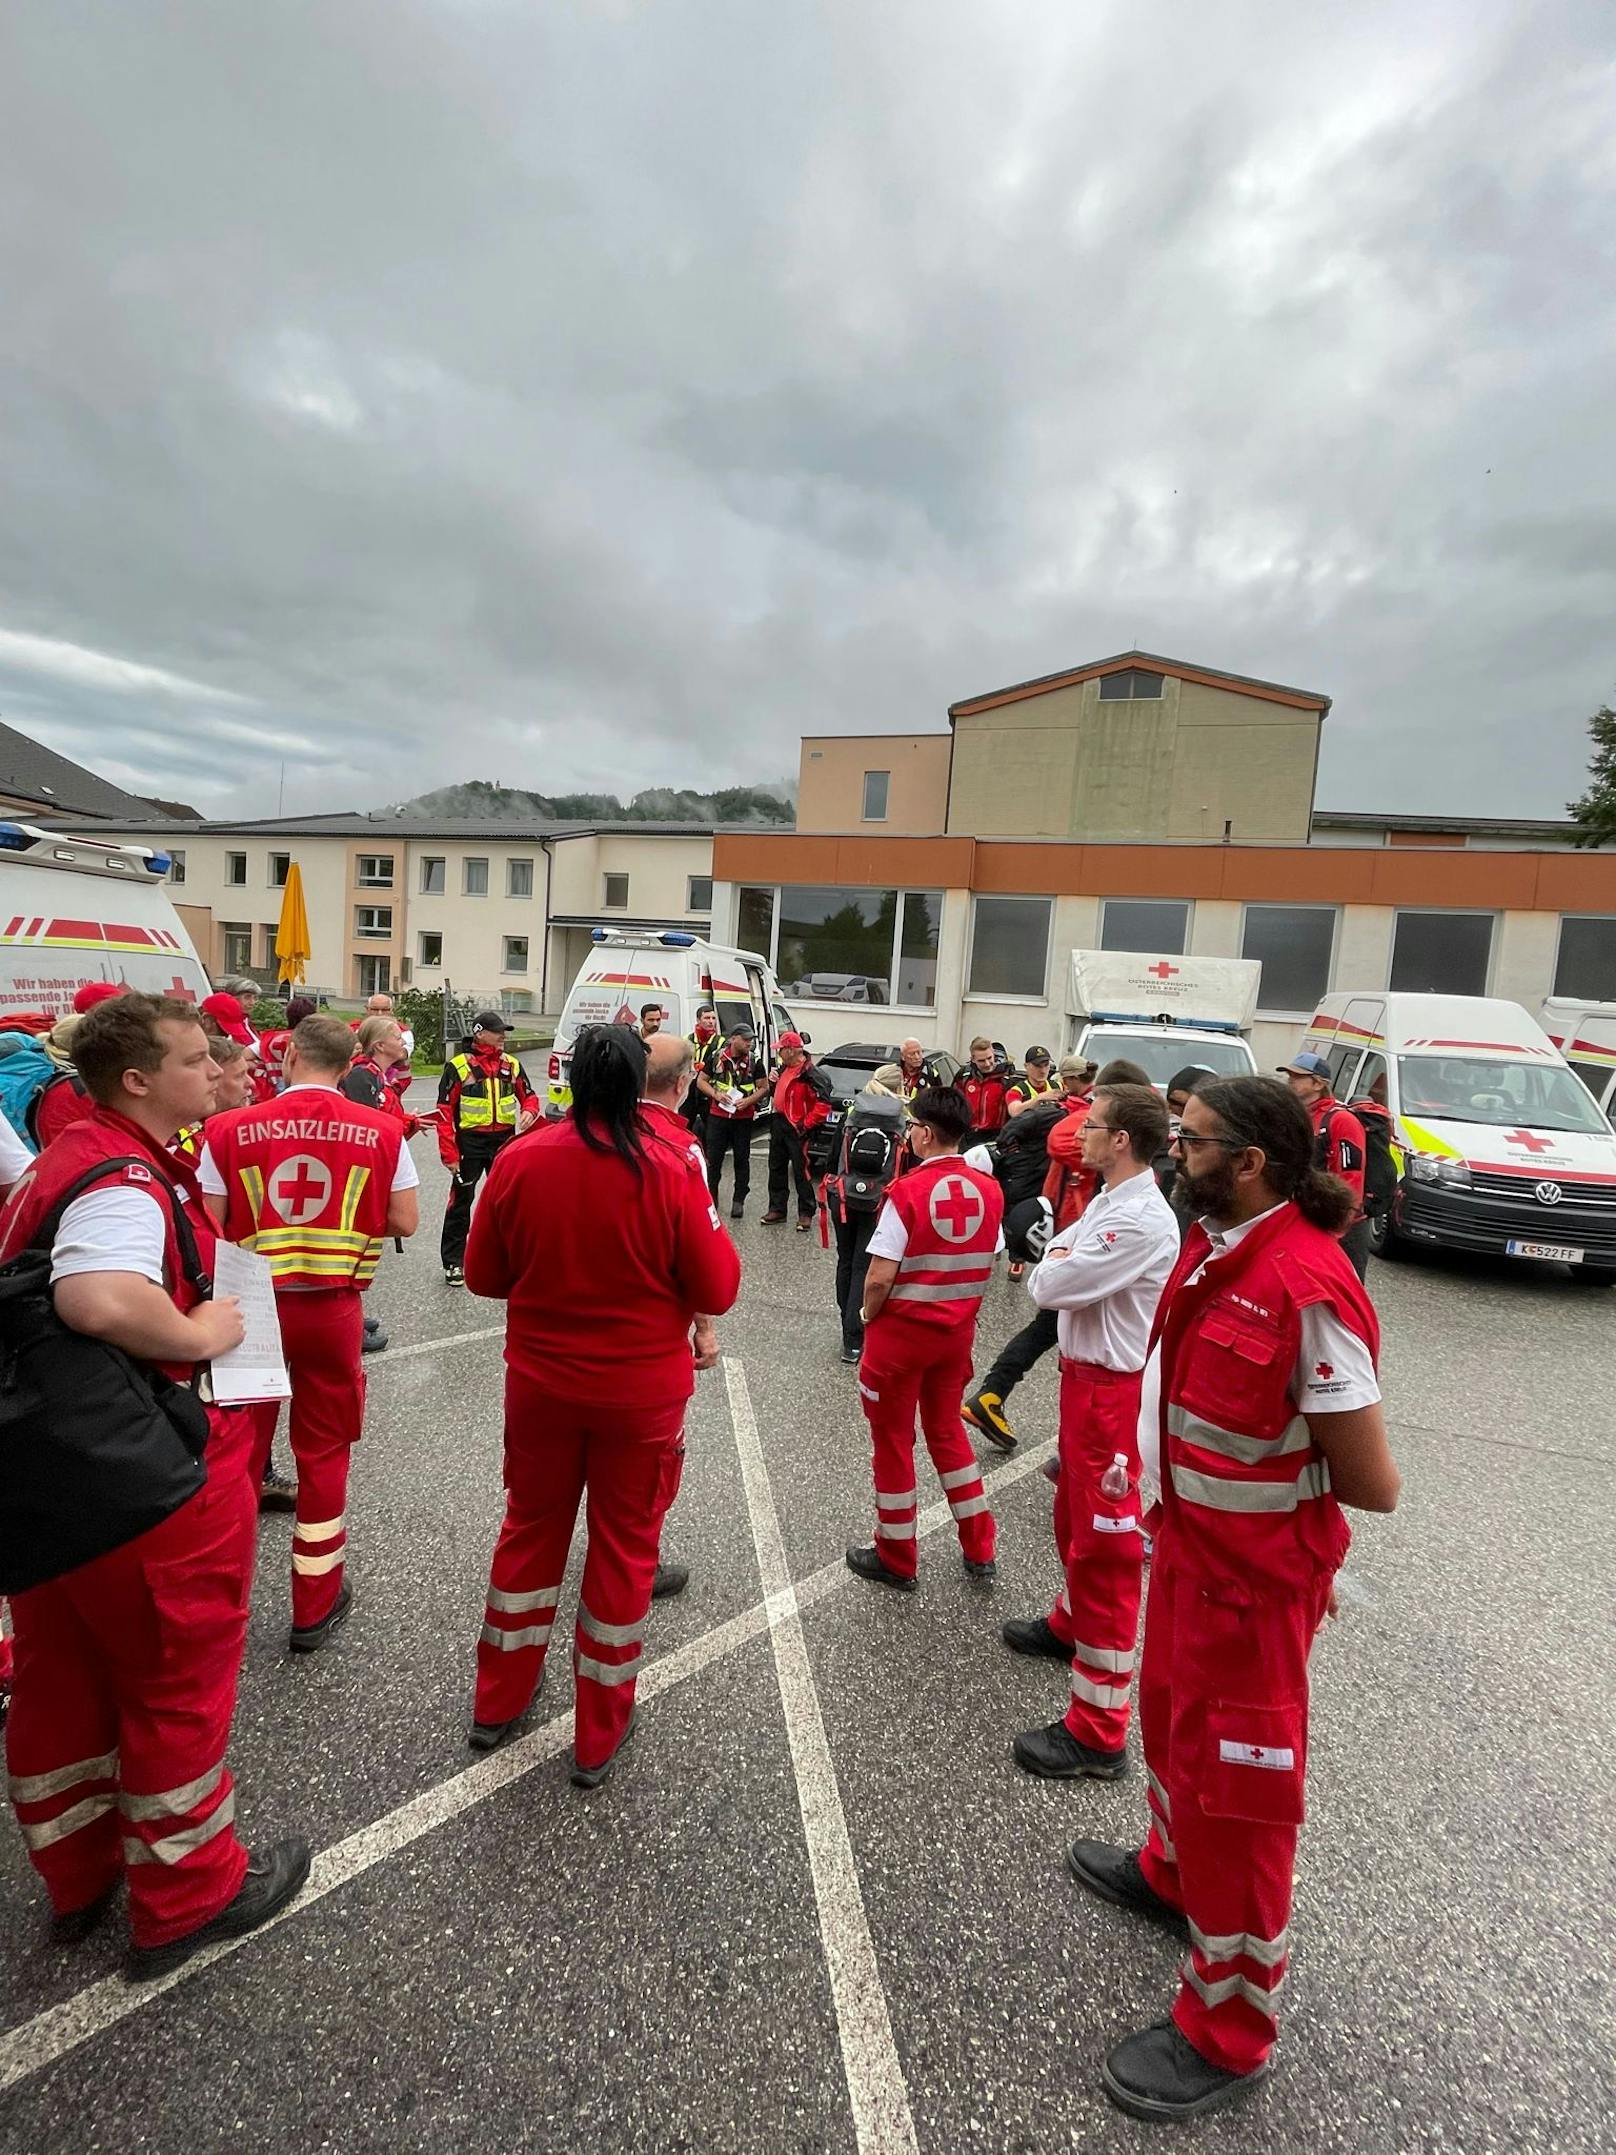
x: 1186, y: 1138
x: 1099, y: 1129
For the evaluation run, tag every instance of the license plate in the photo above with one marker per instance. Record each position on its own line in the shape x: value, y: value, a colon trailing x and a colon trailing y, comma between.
x: 1545, y: 1249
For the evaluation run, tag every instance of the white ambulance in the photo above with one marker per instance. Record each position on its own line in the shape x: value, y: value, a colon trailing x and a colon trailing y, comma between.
x: 1500, y: 1147
x: 625, y: 970
x: 1162, y: 1012
x: 1585, y: 1034
x: 73, y: 910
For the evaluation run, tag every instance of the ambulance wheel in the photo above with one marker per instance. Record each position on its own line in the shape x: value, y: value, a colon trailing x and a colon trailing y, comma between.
x: 1384, y: 1240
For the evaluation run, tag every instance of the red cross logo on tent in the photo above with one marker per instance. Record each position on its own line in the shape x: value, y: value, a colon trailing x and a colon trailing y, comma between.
x: 1529, y: 1139
x: 299, y: 1188
x: 1162, y: 970
x: 957, y: 1210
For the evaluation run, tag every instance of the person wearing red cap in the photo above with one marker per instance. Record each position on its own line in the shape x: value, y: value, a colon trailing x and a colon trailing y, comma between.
x: 228, y: 1014
x: 799, y: 1103
x: 97, y: 991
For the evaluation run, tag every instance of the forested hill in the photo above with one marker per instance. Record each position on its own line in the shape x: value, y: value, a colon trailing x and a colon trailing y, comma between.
x: 478, y: 800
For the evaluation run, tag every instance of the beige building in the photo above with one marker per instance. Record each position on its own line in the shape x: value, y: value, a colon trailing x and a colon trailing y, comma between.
x: 896, y: 782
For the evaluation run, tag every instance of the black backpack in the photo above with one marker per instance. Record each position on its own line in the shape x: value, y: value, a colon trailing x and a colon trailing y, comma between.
x: 872, y: 1138
x: 1381, y: 1171
x: 95, y: 1449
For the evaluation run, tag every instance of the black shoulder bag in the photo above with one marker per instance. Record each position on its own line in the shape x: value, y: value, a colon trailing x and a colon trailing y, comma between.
x: 95, y: 1448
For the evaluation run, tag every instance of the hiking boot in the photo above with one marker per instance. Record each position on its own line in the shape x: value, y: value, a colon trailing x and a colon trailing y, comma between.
x: 271, y: 1881
x: 1034, y: 1635
x: 592, y: 1776
x: 1054, y: 1754
x: 866, y: 1564
x: 73, y: 1925
x: 1116, y: 1875
x: 985, y: 1411
x: 277, y: 1492
x: 309, y: 1638
x: 981, y: 1569
x: 1159, y: 2075
x: 670, y: 1579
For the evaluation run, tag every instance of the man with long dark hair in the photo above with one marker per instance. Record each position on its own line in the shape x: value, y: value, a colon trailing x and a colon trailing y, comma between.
x: 600, y: 1236
x: 1261, y: 1417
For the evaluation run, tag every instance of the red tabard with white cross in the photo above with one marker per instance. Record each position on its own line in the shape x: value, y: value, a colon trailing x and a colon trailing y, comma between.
x: 307, y: 1181
x: 953, y: 1216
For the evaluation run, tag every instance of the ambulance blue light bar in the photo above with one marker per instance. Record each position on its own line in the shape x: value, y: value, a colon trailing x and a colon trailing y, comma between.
x: 14, y: 839
x: 1163, y: 1017
x: 674, y: 938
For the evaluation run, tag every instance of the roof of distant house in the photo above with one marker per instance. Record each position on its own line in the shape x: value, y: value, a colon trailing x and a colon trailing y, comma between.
x: 382, y: 827
x: 29, y: 771
x: 1306, y: 699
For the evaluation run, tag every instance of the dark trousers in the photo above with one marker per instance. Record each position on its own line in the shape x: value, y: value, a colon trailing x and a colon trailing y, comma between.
x: 477, y: 1156
x: 1030, y: 1344
x: 787, y: 1164
x: 729, y: 1136
x: 852, y: 1263
x: 1356, y: 1244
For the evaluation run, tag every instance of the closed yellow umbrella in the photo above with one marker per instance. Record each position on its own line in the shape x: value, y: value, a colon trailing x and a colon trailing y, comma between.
x: 292, y: 936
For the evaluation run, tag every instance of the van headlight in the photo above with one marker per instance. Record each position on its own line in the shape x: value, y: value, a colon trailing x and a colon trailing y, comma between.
x: 1427, y: 1167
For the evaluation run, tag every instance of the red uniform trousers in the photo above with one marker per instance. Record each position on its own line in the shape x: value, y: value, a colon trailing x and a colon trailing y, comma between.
x: 1097, y: 1609
x: 125, y: 1687
x: 1225, y: 1783
x: 628, y: 1461
x: 322, y: 1337
x: 909, y: 1364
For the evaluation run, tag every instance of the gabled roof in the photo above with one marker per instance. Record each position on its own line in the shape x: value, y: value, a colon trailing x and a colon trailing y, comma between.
x: 1302, y: 699
x: 29, y: 771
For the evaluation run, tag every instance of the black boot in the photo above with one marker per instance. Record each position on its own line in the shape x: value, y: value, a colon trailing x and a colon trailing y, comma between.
x: 1160, y: 2075
x: 670, y: 1579
x: 271, y: 1881
x: 1034, y: 1635
x: 309, y: 1638
x: 1054, y: 1754
x: 866, y: 1564
x: 1115, y: 1875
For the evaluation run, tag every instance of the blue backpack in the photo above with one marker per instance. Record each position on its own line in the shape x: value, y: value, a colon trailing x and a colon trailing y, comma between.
x: 24, y: 1074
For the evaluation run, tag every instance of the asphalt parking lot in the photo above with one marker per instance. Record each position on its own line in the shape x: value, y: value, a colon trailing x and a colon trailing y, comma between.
x: 817, y: 1907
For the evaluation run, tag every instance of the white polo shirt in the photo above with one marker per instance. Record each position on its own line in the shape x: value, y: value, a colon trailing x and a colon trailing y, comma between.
x: 1106, y: 1272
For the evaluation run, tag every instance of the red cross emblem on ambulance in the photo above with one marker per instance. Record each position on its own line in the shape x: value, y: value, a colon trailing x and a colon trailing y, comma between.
x: 299, y: 1188
x: 1162, y: 970
x: 957, y: 1210
x: 1529, y: 1138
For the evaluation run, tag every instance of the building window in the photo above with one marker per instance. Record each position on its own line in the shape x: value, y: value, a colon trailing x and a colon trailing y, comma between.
x: 267, y: 933
x: 235, y: 868
x: 1294, y: 945
x: 754, y: 921
x: 373, y: 920
x: 176, y: 864
x: 698, y: 894
x: 515, y: 960
x: 1586, y: 967
x: 1010, y: 947
x: 518, y: 879
x: 1131, y: 685
x: 429, y: 951
x: 616, y: 891
x: 237, y: 940
x: 850, y: 946
x: 1442, y: 953
x: 375, y: 976
x: 1145, y: 924
x: 474, y: 878
x: 374, y: 871
x: 432, y: 875
x: 280, y: 867
x: 875, y: 795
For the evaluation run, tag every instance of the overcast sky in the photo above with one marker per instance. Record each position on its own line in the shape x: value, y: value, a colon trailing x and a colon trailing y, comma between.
x: 604, y: 395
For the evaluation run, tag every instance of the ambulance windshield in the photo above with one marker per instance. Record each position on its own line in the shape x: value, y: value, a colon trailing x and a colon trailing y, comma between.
x: 1533, y: 1096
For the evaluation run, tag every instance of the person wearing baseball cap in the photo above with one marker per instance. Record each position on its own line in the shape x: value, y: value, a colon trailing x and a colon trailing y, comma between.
x: 800, y: 1101
x: 1342, y: 1147
x: 733, y: 1079
x: 1033, y: 1085
x: 484, y: 1098
x: 228, y: 1014
x: 97, y: 991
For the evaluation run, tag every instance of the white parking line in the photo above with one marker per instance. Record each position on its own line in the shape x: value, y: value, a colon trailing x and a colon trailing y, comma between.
x: 875, y: 2084
x: 35, y: 2044
x: 431, y: 1346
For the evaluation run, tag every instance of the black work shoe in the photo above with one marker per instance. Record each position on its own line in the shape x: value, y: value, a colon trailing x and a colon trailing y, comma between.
x: 670, y: 1579
x: 489, y: 1735
x: 277, y: 1492
x: 985, y: 1411
x: 852, y: 1356
x: 592, y: 1776
x: 867, y: 1564
x: 271, y: 1881
x: 72, y: 1926
x: 737, y: 1212
x: 1054, y: 1754
x: 1034, y: 1635
x: 983, y: 1569
x: 1115, y: 1875
x: 311, y: 1637
x: 374, y: 1341
x: 1159, y: 2074
x: 454, y: 1275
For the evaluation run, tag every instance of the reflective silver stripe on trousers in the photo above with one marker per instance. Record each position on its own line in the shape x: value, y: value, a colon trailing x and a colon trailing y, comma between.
x: 1098, y: 1694
x: 1236, y: 1986
x: 38, y: 1787
x: 50, y: 1830
x: 1103, y: 1657
x: 172, y: 1802
x: 896, y: 1499
x: 1250, y: 1451
x: 1159, y: 1792
x: 960, y: 1476
x: 544, y: 1597
x: 1266, y: 1952
x: 967, y: 1261
x: 315, y: 1567
x: 608, y: 1672
x: 1219, y: 1495
x: 175, y: 1847
x: 611, y: 1634
x: 967, y: 1507
x: 894, y: 1529
x: 960, y: 1291
x: 509, y: 1642
x: 318, y: 1529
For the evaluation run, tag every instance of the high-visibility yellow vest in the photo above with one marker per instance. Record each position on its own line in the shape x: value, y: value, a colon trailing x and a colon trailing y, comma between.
x: 493, y: 1105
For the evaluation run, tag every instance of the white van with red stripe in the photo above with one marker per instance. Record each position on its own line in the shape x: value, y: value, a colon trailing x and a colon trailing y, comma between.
x: 626, y: 970
x: 1585, y: 1034
x: 73, y: 910
x: 1501, y: 1148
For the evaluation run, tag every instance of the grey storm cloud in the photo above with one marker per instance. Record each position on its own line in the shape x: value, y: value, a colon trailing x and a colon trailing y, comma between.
x: 601, y: 396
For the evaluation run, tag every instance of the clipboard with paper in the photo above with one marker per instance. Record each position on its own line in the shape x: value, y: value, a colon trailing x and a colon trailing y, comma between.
x: 255, y: 1370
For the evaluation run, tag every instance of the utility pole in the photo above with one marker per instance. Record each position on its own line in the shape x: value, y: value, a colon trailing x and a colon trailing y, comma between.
x: 280, y: 798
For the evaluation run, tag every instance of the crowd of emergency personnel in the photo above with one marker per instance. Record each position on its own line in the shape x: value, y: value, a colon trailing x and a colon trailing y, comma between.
x: 1196, y: 1262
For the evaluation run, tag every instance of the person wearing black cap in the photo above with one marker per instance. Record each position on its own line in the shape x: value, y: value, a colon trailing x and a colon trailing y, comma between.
x: 484, y: 1098
x: 1033, y: 1085
x: 734, y: 1080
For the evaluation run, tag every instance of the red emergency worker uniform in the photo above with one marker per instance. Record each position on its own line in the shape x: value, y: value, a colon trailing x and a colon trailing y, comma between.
x: 306, y: 1181
x: 1069, y: 1185
x: 1248, y: 1540
x: 367, y: 1082
x: 942, y: 1221
x: 60, y: 1102
x: 985, y: 1097
x: 603, y: 1273
x: 1341, y: 1144
x: 126, y: 1666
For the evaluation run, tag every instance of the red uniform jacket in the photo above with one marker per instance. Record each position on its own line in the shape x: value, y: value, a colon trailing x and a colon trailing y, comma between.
x: 603, y: 1272
x: 1246, y: 1494
x: 1341, y: 1144
x: 985, y: 1097
x: 367, y: 1082
x: 308, y: 1180
x: 796, y: 1100
x: 952, y: 1216
x: 1069, y: 1185
x: 60, y: 1102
